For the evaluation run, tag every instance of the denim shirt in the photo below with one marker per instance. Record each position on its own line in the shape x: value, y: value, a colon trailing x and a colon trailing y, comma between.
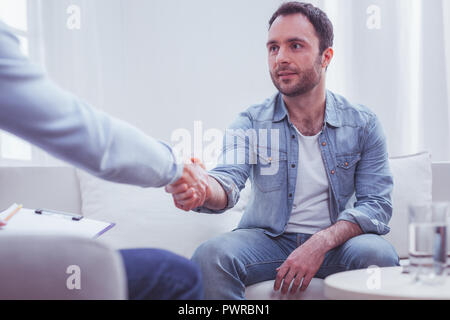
x: 354, y: 153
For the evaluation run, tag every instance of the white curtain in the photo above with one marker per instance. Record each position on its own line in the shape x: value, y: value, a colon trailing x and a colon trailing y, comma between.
x: 165, y: 65
x: 73, y: 57
x: 446, y: 14
x: 14, y: 151
x: 162, y: 65
x: 393, y: 56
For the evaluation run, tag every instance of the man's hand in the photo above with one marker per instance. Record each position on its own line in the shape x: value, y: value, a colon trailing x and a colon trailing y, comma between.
x: 192, y: 189
x: 302, y: 264
x: 306, y: 260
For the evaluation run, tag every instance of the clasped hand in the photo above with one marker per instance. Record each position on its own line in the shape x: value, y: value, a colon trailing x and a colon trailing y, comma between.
x: 192, y: 189
x: 300, y: 267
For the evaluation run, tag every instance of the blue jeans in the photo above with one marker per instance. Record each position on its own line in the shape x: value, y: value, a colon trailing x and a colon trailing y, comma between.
x: 154, y: 274
x: 232, y: 261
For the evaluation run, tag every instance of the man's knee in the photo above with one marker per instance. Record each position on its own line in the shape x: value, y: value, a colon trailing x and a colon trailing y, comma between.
x: 371, y: 250
x: 210, y: 253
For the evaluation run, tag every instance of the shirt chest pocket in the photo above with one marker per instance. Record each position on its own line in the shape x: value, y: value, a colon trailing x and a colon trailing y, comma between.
x: 270, y: 171
x: 346, y: 170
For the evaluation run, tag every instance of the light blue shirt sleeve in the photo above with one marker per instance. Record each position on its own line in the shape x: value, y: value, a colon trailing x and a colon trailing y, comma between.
x: 35, y: 109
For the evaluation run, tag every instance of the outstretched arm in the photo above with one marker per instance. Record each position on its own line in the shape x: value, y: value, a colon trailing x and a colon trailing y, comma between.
x: 35, y: 109
x: 225, y: 182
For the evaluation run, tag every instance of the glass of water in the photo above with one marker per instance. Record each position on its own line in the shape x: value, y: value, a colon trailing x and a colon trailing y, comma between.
x: 428, y: 242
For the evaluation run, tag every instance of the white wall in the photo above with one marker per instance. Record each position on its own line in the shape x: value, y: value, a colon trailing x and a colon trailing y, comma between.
x: 162, y: 65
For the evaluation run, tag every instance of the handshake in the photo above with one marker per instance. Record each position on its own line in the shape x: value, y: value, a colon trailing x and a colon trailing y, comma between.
x: 193, y: 189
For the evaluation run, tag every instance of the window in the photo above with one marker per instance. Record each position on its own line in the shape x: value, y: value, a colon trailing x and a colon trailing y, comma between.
x: 14, y: 14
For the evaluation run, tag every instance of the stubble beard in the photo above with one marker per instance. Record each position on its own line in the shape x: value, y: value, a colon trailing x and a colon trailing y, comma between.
x: 307, y: 80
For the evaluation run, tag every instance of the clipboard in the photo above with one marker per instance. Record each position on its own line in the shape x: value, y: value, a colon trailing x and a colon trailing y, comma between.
x: 44, y: 221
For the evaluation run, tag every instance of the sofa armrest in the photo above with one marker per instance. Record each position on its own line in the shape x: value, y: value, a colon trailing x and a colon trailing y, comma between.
x: 37, y: 267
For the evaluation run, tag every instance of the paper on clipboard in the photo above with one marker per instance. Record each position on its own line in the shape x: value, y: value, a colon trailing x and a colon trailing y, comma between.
x: 27, y: 221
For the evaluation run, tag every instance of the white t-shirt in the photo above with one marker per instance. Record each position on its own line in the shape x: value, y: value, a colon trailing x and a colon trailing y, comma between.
x: 311, y: 208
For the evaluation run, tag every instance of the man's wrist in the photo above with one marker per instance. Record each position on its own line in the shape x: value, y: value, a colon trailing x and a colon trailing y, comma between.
x: 209, y: 192
x: 337, y: 234
x: 216, y: 198
x: 324, y: 243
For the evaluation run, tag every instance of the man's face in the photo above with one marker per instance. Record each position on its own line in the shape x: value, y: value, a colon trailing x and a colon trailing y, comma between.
x: 294, y: 60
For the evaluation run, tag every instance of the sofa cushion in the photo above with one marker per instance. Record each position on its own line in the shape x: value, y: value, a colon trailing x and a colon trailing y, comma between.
x: 412, y: 184
x: 147, y: 218
x: 264, y: 291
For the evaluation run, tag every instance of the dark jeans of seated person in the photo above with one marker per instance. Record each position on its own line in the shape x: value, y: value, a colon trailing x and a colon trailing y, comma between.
x: 154, y: 274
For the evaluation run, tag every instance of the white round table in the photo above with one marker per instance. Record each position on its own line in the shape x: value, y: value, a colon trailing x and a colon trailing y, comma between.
x: 382, y: 284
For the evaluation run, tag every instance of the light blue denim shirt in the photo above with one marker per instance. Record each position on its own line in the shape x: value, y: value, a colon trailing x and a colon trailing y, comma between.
x: 354, y: 153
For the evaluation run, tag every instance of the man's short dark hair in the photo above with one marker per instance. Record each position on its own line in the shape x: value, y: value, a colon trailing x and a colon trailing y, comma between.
x: 318, y: 18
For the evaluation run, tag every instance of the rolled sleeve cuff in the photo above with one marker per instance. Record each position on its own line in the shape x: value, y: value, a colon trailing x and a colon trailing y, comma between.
x: 230, y: 189
x: 176, y: 171
x: 367, y: 224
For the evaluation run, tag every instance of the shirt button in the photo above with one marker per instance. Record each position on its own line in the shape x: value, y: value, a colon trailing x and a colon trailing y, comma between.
x: 333, y: 172
x: 346, y: 164
x: 324, y: 144
x: 293, y: 166
x: 290, y: 195
x: 293, y: 136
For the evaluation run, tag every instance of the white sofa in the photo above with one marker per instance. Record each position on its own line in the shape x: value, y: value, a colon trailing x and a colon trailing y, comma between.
x: 148, y: 218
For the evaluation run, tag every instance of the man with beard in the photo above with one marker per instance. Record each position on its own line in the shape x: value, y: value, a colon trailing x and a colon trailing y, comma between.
x: 296, y: 225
